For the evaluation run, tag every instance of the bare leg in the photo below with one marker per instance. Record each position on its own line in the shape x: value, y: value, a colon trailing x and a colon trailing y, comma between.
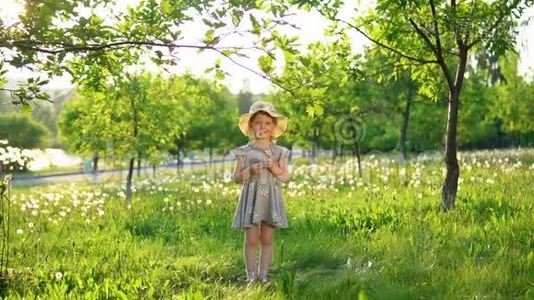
x: 266, y: 239
x: 250, y: 248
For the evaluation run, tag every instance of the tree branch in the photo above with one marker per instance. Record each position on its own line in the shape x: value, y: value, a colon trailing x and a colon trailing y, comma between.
x: 499, y: 20
x: 27, y: 45
x: 413, y: 58
x: 439, y: 50
x: 250, y: 70
x: 425, y: 38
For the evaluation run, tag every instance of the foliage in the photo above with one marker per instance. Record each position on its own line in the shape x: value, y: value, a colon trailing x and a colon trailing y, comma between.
x: 22, y: 132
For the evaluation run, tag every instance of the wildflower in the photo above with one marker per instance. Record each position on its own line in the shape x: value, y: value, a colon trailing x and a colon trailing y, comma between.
x: 30, y: 225
x: 20, y: 231
x: 59, y: 275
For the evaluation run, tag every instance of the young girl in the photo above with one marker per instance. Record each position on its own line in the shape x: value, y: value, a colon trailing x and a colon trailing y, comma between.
x: 261, y: 167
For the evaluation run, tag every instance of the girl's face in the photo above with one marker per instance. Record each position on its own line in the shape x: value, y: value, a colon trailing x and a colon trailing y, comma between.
x: 263, y: 126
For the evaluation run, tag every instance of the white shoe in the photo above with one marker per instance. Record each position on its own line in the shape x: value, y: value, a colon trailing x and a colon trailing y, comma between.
x: 251, y: 279
x: 263, y: 276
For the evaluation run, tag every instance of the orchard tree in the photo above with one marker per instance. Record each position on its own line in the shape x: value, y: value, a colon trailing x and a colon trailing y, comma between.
x: 514, y: 100
x: 436, y: 35
x: 22, y: 132
x: 135, y: 119
x: 86, y: 126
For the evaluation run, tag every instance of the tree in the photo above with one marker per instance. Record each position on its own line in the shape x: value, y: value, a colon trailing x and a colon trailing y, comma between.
x: 437, y: 35
x: 136, y: 119
x: 209, y: 119
x: 514, y: 100
x: 22, y: 132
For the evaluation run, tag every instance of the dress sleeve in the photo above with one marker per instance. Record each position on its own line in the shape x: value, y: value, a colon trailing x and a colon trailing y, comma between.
x: 238, y: 153
x: 284, y: 153
x: 283, y: 176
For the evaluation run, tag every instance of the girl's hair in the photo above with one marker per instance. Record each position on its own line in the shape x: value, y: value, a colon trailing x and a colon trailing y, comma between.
x: 264, y: 113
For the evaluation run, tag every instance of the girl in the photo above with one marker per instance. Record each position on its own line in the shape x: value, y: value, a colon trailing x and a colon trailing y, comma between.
x: 261, y: 167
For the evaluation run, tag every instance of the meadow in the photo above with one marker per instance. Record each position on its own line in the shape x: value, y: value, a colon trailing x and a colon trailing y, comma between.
x: 379, y: 236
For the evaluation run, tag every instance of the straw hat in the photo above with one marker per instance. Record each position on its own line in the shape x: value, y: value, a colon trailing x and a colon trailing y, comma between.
x: 281, y: 121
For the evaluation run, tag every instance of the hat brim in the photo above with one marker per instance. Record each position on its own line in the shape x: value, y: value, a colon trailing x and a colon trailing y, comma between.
x: 281, y: 124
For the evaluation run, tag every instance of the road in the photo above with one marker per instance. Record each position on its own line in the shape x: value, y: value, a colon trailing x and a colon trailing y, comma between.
x: 101, y: 176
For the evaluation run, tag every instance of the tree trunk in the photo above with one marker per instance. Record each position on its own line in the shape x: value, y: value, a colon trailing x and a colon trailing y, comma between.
x: 178, y: 162
x: 313, y: 155
x: 95, y: 162
x: 290, y: 156
x: 129, y: 180
x: 450, y: 185
x: 154, y: 171
x: 180, y: 147
x: 334, y: 155
x: 404, y: 127
x: 211, y: 157
x: 138, y: 166
x: 315, y: 146
x: 356, y: 150
x: 135, y: 133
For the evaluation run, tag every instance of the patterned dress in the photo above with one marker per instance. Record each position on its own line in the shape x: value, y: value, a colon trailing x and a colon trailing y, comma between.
x: 261, y: 196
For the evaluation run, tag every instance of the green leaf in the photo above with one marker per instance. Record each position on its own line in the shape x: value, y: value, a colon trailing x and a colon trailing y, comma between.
x: 26, y: 109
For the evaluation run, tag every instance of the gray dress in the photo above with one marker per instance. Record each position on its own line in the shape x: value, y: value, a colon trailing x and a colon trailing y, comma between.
x: 261, y: 196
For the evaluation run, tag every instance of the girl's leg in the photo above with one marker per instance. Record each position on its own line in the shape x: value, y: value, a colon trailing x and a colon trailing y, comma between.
x: 266, y: 239
x: 250, y: 247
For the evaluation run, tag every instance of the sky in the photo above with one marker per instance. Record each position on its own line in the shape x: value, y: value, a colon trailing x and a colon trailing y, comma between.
x: 311, y: 24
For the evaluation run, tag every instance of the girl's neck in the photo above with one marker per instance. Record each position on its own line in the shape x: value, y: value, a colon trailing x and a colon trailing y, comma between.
x: 262, y: 143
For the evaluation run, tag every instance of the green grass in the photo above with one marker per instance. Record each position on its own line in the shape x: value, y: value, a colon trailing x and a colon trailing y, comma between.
x: 381, y: 237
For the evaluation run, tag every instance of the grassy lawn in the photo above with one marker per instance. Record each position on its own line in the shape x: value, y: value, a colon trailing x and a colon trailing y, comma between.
x: 381, y: 236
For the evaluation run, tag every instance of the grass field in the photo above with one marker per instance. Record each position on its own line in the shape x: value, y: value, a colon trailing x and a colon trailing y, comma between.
x: 381, y: 236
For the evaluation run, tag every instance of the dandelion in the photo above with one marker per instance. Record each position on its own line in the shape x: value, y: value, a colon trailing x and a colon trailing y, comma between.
x: 58, y: 275
x: 166, y: 199
x: 208, y: 202
x: 20, y: 231
x: 30, y: 225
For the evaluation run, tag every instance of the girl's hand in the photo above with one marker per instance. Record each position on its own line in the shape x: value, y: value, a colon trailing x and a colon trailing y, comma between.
x: 255, y: 168
x: 271, y: 166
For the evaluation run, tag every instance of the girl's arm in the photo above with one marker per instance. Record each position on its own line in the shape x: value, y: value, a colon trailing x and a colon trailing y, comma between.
x: 280, y: 170
x: 241, y: 173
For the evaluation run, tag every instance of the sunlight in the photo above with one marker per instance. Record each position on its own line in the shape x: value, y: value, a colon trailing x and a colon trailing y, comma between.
x: 9, y: 13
